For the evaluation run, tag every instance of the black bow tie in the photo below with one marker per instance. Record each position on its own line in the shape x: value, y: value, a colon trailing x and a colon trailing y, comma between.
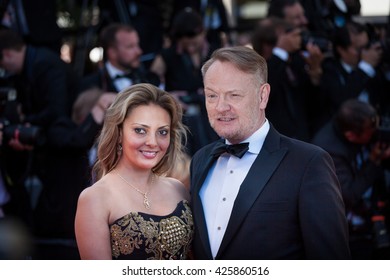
x: 120, y: 76
x: 237, y: 150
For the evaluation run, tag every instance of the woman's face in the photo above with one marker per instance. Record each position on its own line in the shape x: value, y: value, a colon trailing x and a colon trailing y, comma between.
x: 145, y: 136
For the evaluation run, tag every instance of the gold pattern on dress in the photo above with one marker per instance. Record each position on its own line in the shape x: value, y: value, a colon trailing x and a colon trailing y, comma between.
x: 168, y: 238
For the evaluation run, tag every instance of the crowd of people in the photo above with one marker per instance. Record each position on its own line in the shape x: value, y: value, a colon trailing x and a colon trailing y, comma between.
x: 182, y: 144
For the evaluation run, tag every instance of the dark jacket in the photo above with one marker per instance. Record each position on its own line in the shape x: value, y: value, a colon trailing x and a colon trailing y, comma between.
x: 289, y: 206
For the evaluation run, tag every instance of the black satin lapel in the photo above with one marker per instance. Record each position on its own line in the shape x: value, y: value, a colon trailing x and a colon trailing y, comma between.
x: 197, y: 207
x: 258, y: 176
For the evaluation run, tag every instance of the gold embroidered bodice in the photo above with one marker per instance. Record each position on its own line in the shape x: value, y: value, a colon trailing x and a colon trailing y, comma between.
x: 143, y: 236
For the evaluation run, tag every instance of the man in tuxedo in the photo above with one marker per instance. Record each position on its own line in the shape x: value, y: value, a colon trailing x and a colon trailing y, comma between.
x: 294, y: 72
x: 276, y: 197
x: 291, y: 88
x: 122, y: 61
x: 353, y: 72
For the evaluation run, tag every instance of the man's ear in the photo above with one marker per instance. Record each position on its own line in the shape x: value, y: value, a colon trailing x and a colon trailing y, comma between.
x: 265, y: 90
x: 111, y: 53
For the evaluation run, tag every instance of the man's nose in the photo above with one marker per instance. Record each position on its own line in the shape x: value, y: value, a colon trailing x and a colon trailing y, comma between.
x: 222, y: 104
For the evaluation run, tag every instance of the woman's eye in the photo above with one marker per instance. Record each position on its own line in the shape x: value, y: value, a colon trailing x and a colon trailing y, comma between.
x: 164, y: 132
x: 140, y: 130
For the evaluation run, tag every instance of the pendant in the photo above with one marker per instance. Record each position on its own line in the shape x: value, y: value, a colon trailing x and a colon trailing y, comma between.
x: 146, y: 202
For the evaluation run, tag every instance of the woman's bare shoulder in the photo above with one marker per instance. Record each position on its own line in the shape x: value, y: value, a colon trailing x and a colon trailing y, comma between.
x: 98, y: 192
x: 176, y: 187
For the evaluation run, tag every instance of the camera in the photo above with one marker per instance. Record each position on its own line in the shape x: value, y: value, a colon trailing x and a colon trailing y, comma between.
x: 324, y: 44
x: 7, y: 94
x: 29, y: 135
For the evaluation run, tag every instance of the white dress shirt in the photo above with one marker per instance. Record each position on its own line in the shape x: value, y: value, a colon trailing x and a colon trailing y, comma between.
x: 222, y: 185
x: 120, y: 83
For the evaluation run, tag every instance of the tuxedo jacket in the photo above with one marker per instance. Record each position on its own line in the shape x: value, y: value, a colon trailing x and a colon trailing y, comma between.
x: 337, y: 86
x: 289, y: 206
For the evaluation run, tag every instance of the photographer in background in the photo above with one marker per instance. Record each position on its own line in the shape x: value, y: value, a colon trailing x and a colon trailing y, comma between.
x: 178, y: 67
x: 313, y: 49
x: 325, y: 15
x: 353, y: 70
x: 301, y: 66
x: 45, y: 178
x: 360, y: 160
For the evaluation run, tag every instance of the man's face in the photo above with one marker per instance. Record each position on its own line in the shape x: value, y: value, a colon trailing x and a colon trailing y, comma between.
x: 351, y: 54
x: 291, y: 40
x: 9, y: 61
x: 235, y: 103
x: 295, y: 15
x: 127, y: 52
x: 367, y: 133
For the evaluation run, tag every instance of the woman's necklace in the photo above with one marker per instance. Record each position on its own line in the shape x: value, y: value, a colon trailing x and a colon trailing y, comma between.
x: 145, y: 194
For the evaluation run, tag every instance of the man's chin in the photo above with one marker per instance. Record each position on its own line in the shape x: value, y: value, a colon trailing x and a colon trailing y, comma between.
x: 224, y: 133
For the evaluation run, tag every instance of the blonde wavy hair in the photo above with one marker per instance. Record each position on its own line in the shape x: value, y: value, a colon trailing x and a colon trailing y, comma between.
x: 124, y: 103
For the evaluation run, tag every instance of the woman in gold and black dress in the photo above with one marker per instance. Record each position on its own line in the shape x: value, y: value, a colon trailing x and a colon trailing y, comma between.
x: 134, y: 211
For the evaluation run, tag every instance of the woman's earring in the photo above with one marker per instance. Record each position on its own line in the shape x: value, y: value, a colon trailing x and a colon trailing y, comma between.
x: 119, y: 149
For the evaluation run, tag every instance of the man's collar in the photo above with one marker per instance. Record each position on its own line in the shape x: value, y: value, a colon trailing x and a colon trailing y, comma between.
x: 113, y: 71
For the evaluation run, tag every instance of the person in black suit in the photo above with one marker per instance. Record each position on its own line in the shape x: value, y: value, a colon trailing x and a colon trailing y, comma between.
x: 215, y: 19
x: 179, y: 68
x: 122, y: 66
x: 298, y: 92
x: 148, y: 17
x: 353, y: 71
x: 290, y: 87
x: 360, y: 161
x: 277, y: 198
x: 46, y: 174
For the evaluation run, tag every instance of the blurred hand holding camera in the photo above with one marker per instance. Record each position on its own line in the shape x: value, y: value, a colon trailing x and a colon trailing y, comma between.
x: 314, y: 60
x: 20, y: 144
